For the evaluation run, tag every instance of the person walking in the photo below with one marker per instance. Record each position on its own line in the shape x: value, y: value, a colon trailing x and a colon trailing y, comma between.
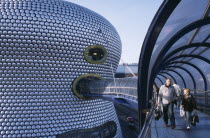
x: 189, y: 104
x: 155, y: 93
x: 167, y: 96
x: 178, y: 94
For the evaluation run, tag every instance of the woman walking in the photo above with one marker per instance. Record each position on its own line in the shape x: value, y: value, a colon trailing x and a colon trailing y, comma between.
x: 189, y: 104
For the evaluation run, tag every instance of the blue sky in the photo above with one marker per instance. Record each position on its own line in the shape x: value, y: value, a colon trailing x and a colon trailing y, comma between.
x: 131, y: 18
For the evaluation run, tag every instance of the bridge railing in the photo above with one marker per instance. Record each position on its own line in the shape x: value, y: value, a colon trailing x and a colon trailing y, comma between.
x: 123, y: 87
x: 124, y: 95
x: 146, y: 129
x: 203, y: 99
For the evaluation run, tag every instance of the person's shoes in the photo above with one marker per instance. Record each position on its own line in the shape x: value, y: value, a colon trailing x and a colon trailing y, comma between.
x: 188, y: 127
x: 165, y: 125
x: 172, y: 127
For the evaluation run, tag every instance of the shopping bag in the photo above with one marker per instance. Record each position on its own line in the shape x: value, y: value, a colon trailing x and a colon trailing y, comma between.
x: 182, y: 112
x: 158, y: 112
x: 195, y: 119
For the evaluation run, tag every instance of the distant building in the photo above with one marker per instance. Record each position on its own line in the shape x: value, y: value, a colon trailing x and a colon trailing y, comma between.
x: 126, y: 70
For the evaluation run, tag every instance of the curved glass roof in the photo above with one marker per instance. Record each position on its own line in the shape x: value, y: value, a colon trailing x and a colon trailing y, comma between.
x: 177, y: 46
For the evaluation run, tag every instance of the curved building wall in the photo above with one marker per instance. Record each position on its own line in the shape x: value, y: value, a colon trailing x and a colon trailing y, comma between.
x: 42, y: 52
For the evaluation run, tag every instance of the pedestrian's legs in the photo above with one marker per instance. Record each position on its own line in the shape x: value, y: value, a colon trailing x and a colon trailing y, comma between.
x: 178, y: 104
x: 171, y: 114
x: 165, y: 113
x: 188, y: 120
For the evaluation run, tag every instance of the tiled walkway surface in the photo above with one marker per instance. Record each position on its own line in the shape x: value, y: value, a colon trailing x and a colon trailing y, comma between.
x: 201, y: 130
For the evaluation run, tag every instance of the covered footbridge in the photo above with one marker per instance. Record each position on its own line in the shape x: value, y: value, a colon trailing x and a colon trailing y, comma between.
x: 177, y: 46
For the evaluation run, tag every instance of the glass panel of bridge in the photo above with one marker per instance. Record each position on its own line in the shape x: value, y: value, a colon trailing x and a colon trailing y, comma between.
x: 206, y: 54
x: 198, y: 50
x: 198, y: 78
x: 202, y: 34
x: 174, y: 55
x: 176, y: 64
x: 188, y: 51
x: 158, y: 82
x: 162, y: 78
x: 183, y: 41
x: 205, y: 67
x: 185, y: 13
x: 187, y: 78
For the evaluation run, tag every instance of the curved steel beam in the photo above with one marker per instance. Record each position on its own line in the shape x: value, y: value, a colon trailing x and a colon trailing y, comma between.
x: 170, y: 76
x: 154, y: 30
x: 194, y: 84
x: 162, y: 76
x: 169, y: 44
x: 160, y: 80
x: 183, y: 48
x: 178, y: 75
x: 197, y: 68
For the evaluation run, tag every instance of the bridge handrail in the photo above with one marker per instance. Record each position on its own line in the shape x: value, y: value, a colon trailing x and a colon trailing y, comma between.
x: 118, y: 93
x: 203, y: 97
x: 199, y: 90
x: 146, y: 129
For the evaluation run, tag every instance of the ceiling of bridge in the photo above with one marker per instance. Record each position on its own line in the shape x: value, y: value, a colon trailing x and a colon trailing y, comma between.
x: 182, y: 49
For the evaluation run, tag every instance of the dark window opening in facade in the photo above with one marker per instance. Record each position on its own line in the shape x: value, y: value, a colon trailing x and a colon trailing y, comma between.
x: 81, y: 83
x: 96, y: 54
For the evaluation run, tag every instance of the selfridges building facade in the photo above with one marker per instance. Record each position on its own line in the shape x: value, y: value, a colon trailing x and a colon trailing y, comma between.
x: 42, y: 53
